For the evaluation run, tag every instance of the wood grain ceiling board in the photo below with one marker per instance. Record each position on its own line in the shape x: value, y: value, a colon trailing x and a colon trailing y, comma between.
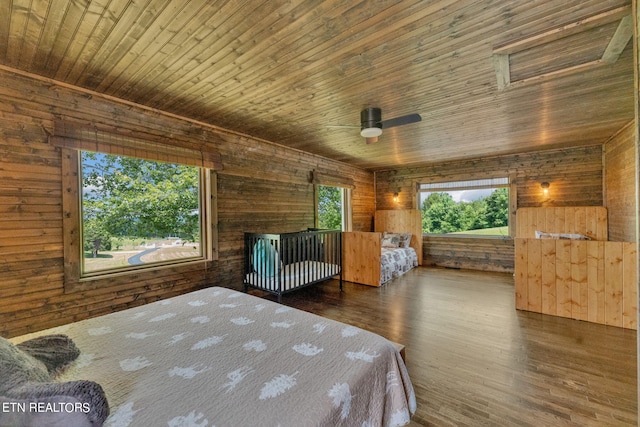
x: 285, y: 71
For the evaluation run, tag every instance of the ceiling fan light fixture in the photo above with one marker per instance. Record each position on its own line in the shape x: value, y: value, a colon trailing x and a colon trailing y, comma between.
x: 371, y: 132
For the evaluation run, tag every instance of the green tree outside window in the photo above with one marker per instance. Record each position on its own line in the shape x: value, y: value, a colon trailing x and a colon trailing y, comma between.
x: 329, y: 207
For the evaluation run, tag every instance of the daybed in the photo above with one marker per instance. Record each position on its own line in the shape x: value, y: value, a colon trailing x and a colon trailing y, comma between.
x: 565, y: 266
x: 395, y: 247
x: 281, y: 263
x: 226, y: 358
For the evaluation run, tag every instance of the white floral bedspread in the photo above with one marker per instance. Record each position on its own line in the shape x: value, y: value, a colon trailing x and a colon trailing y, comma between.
x: 218, y: 357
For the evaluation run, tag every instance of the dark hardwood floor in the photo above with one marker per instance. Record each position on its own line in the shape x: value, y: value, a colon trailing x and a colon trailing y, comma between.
x: 475, y: 360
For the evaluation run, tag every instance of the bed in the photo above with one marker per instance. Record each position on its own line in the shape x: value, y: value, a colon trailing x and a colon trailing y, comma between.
x: 222, y: 357
x: 566, y: 266
x: 395, y: 247
x: 281, y: 263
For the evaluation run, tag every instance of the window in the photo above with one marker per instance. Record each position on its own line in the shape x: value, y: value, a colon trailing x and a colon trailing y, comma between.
x: 475, y: 207
x: 138, y: 212
x: 131, y: 211
x: 333, y: 208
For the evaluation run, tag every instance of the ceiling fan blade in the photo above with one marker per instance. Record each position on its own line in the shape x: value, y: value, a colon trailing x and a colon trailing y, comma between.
x: 399, y: 121
x: 372, y: 140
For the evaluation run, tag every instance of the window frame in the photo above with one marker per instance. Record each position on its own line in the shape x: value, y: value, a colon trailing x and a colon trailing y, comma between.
x: 74, y: 280
x: 511, y: 185
x: 330, y: 180
x: 346, y: 222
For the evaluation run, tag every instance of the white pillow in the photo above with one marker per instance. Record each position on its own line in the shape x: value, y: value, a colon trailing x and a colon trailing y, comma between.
x: 404, y: 239
x: 563, y: 236
x: 390, y: 241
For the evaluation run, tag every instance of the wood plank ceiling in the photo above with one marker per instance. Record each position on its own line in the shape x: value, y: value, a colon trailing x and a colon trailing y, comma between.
x: 488, y: 77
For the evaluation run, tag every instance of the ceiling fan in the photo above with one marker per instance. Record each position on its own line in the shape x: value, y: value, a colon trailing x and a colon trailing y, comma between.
x: 371, y: 123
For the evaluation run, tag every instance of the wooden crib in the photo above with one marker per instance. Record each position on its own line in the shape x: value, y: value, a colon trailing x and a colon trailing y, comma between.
x: 593, y: 280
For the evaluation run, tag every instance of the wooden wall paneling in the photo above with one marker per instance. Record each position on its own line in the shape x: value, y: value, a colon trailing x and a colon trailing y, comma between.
x: 212, y: 228
x: 80, y: 305
x: 588, y: 220
x: 602, y: 227
x: 521, y: 275
x: 18, y: 277
x: 72, y: 234
x: 563, y: 278
x: 620, y: 184
x: 591, y: 225
x: 580, y: 218
x: 614, y: 268
x: 575, y: 175
x: 592, y: 278
x: 551, y: 218
x: 520, y: 225
x: 523, y: 223
x: 580, y: 287
x: 630, y: 286
x: 262, y: 186
x: 548, y: 276
x: 534, y: 217
x: 492, y: 254
x: 539, y: 216
x: 595, y: 282
x: 534, y: 277
x: 559, y: 219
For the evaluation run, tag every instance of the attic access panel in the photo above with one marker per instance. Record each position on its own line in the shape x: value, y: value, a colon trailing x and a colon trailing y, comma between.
x: 587, y: 43
x: 565, y: 53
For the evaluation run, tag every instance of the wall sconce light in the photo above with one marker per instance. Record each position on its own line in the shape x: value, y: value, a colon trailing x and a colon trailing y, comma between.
x: 395, y: 197
x: 545, y: 188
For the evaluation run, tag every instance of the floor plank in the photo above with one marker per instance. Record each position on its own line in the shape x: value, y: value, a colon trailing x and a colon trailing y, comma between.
x: 475, y: 360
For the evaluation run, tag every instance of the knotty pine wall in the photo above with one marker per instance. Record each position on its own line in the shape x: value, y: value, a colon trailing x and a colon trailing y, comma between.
x: 575, y: 175
x: 261, y: 187
x: 620, y: 185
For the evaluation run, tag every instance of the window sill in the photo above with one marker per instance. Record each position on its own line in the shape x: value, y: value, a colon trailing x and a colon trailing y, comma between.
x: 465, y: 236
x: 115, y: 278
